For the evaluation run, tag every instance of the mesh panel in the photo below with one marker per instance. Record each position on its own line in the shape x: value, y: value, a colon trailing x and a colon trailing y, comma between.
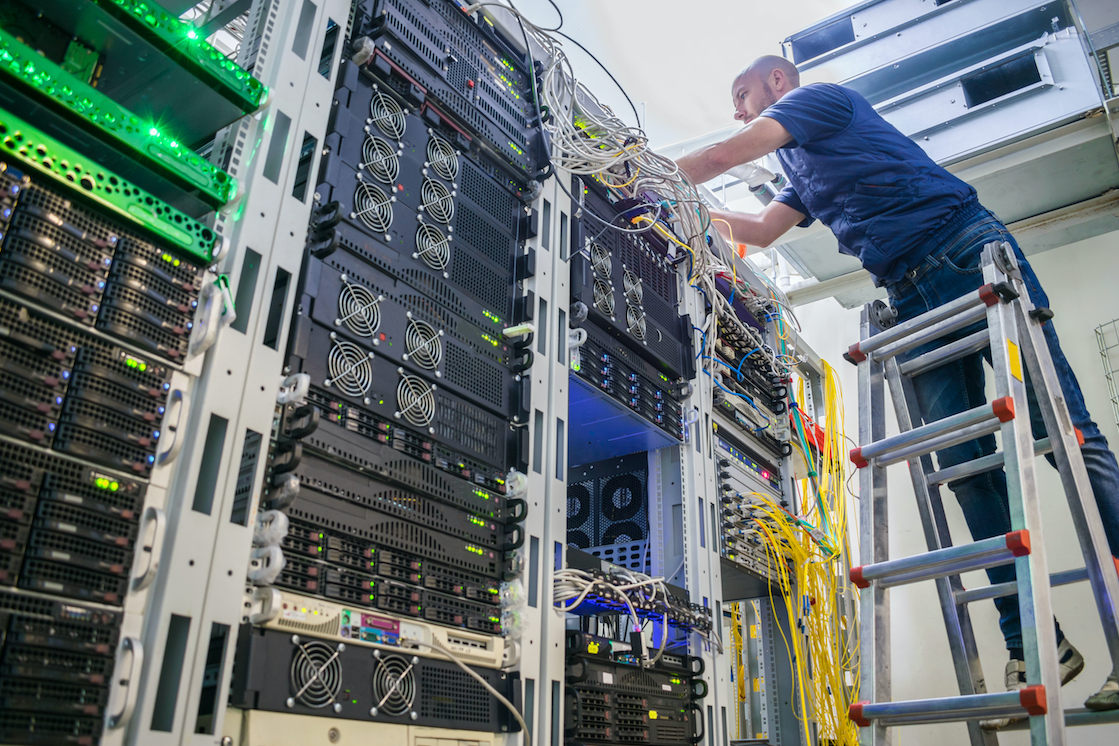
x: 475, y: 375
x: 452, y: 695
x: 474, y: 184
x: 482, y: 237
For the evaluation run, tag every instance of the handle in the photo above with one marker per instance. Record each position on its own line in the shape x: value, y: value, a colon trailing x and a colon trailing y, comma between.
x: 517, y: 508
x: 154, y: 517
x: 271, y: 528
x: 511, y: 655
x: 527, y: 358
x: 577, y: 715
x: 302, y: 421
x: 207, y: 320
x: 285, y: 488
x: 287, y: 457
x: 293, y: 389
x: 697, y: 670
x: 696, y: 694
x: 270, y: 563
x: 786, y: 450
x: 269, y: 600
x: 134, y: 649
x: 698, y: 719
x: 179, y: 403
x: 518, y: 542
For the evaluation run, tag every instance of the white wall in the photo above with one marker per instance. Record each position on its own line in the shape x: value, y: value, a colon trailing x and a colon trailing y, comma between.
x: 1081, y: 282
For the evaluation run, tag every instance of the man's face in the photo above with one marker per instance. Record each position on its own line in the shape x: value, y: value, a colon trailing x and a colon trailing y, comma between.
x: 751, y: 94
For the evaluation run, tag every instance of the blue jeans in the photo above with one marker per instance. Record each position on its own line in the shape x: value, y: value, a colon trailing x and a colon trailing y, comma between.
x: 953, y: 269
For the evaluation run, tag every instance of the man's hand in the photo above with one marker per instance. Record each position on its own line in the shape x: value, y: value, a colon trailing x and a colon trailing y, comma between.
x: 761, y: 229
x: 759, y: 137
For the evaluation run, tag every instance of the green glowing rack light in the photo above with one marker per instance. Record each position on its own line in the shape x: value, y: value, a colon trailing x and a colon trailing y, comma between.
x: 180, y: 41
x: 46, y: 82
x: 66, y: 167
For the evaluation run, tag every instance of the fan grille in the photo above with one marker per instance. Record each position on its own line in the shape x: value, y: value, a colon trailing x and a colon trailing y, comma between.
x: 631, y: 284
x: 316, y: 673
x: 442, y: 157
x: 432, y: 247
x: 425, y: 349
x: 416, y: 400
x: 380, y: 159
x: 394, y: 685
x: 601, y: 261
x: 387, y: 115
x: 635, y: 321
x: 349, y: 368
x: 604, y: 297
x: 358, y: 309
x: 437, y: 201
x: 373, y: 207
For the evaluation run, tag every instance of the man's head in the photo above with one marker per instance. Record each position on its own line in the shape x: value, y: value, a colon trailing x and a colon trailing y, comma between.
x: 765, y: 80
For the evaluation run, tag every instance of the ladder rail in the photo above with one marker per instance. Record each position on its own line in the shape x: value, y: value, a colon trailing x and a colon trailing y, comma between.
x: 1074, y: 477
x: 1039, y: 631
x: 874, y: 602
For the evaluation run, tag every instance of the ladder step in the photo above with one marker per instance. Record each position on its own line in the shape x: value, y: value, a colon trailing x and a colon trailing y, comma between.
x: 946, y: 354
x: 1028, y: 701
x: 999, y: 590
x: 957, y: 428
x: 1073, y: 718
x: 993, y: 552
x: 919, y: 326
x: 989, y: 463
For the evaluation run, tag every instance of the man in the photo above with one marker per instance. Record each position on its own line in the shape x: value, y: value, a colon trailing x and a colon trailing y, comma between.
x: 920, y: 232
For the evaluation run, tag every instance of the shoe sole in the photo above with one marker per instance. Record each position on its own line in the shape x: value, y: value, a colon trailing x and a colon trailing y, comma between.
x: 1103, y: 704
x: 1073, y: 673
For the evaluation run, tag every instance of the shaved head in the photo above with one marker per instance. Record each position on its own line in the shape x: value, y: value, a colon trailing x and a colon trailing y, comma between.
x: 763, y: 66
x: 761, y: 84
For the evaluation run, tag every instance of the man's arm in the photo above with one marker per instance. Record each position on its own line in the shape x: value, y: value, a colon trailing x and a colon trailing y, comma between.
x: 759, y: 137
x: 759, y: 229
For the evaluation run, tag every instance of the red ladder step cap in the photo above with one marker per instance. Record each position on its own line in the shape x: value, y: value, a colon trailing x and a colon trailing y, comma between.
x: 988, y: 295
x: 856, y: 575
x: 1003, y: 408
x: 855, y: 353
x: 857, y: 458
x: 1018, y: 542
x: 1033, y: 699
x: 855, y: 712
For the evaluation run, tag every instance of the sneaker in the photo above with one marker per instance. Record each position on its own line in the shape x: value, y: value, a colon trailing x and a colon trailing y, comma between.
x: 1106, y: 698
x: 1070, y: 663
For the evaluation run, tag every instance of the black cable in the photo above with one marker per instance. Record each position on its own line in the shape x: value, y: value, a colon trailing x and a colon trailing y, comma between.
x: 636, y: 116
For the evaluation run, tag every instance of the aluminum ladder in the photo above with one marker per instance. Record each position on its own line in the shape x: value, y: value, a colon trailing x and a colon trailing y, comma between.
x: 1013, y: 332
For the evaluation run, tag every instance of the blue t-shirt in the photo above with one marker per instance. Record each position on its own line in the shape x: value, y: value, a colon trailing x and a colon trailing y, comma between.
x: 880, y: 194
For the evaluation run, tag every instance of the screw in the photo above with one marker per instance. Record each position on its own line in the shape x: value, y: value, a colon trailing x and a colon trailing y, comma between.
x: 333, y: 735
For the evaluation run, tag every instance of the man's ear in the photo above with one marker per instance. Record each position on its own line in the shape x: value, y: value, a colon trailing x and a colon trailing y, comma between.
x: 778, y: 78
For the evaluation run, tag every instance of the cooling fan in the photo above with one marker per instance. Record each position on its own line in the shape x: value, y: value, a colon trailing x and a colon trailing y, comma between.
x: 437, y: 201
x: 394, y: 685
x: 415, y: 399
x: 425, y: 348
x: 442, y: 157
x: 373, y: 207
x: 622, y: 496
x: 635, y: 322
x: 349, y: 368
x: 622, y: 532
x: 387, y: 114
x: 316, y: 674
x: 433, y: 248
x: 604, y: 297
x: 380, y: 159
x: 358, y: 309
x: 601, y: 261
x: 578, y: 513
x: 631, y: 285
